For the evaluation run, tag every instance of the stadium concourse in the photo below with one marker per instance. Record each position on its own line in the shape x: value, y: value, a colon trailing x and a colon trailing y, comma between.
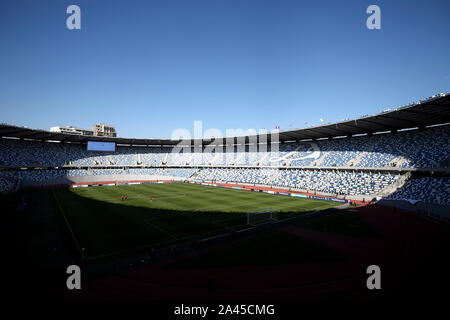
x: 401, y: 154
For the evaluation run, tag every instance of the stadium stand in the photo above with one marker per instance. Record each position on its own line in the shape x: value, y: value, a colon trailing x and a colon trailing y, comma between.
x: 369, y: 156
x: 409, y: 149
x: 427, y: 189
x: 33, y: 175
x: 256, y: 176
x: 425, y: 149
x: 340, y: 183
x: 7, y: 184
x: 180, y: 172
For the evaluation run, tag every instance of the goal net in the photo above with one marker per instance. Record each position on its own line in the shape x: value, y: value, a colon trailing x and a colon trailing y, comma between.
x: 261, y: 216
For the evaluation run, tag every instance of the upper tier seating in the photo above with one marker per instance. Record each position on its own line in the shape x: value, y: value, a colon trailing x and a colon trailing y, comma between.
x: 408, y: 149
x: 44, y: 175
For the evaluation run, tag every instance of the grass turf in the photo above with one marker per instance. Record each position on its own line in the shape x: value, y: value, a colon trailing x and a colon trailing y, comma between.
x: 103, y: 224
x: 272, y: 247
x: 344, y: 222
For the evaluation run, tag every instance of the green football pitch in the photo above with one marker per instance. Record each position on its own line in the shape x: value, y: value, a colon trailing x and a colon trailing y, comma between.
x: 105, y: 225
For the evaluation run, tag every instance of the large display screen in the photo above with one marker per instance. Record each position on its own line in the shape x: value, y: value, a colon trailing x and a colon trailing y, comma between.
x: 101, y: 146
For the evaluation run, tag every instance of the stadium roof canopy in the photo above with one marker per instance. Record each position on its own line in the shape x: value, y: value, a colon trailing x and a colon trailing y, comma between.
x: 432, y: 111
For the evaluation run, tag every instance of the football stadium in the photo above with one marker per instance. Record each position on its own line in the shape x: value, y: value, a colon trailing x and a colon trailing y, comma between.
x: 179, y: 215
x: 224, y: 157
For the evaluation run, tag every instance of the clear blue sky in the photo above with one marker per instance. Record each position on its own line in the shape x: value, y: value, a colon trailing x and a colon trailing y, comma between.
x: 149, y: 67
